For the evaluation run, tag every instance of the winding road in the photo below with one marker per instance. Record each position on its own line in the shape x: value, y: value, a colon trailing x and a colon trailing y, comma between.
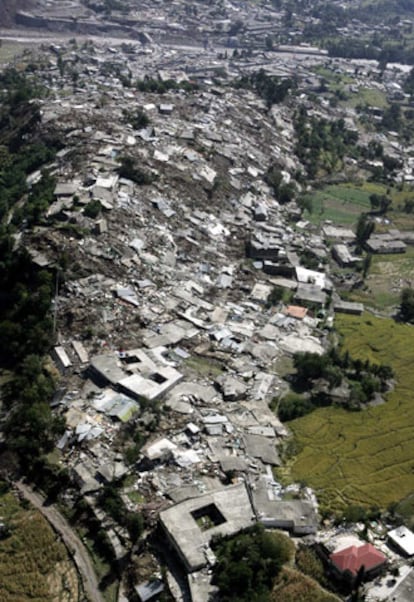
x: 74, y: 545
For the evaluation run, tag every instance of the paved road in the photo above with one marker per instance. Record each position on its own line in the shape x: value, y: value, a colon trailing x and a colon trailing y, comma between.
x: 71, y: 540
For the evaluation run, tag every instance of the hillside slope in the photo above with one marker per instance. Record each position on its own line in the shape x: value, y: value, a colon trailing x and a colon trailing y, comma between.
x: 8, y: 9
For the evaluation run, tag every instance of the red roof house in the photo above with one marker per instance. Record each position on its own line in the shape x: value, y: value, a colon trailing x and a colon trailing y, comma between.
x: 296, y: 311
x: 352, y: 559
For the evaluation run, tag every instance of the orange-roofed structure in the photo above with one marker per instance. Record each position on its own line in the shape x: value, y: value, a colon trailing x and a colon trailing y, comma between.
x: 296, y: 311
x: 350, y: 560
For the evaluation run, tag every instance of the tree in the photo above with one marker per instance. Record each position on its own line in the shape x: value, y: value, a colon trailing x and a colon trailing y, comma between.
x: 365, y: 227
x: 247, y: 564
x: 407, y: 305
x: 366, y: 264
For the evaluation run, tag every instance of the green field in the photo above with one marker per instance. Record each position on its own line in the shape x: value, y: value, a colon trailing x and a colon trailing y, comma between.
x: 363, y: 457
x: 388, y: 275
x: 370, y: 97
x: 341, y: 203
x: 344, y: 203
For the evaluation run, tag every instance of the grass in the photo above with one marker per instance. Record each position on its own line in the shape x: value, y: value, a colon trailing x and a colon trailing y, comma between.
x: 102, y: 568
x: 365, y: 457
x: 9, y: 50
x: 204, y: 366
x: 34, y: 563
x: 136, y: 497
x: 388, y: 275
x: 370, y: 97
x: 343, y: 204
x: 340, y: 203
x: 293, y: 586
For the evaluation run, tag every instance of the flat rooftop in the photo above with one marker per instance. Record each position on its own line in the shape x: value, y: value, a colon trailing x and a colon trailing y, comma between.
x: 191, y: 524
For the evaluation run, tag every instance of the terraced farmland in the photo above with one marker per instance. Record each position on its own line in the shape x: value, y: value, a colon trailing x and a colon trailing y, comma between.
x: 363, y: 457
x: 34, y: 564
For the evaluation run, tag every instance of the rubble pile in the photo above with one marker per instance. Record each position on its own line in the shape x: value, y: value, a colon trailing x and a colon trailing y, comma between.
x: 171, y: 244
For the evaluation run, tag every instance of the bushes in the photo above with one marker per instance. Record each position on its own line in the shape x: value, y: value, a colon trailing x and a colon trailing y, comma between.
x: 407, y: 305
x: 283, y: 191
x: 272, y: 89
x: 93, y: 209
x: 129, y: 169
x: 138, y: 119
x: 161, y: 87
x: 111, y: 501
x: 293, y: 406
x: 309, y: 563
x: 318, y: 375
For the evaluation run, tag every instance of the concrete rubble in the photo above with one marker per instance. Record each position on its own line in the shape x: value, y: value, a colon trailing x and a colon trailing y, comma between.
x: 165, y: 317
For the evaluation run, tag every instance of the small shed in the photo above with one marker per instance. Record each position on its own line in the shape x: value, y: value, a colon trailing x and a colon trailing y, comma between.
x: 149, y: 590
x: 402, y: 539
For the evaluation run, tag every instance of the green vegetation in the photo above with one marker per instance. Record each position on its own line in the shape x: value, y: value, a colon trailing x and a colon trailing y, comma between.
x: 205, y: 366
x: 344, y: 203
x: 26, y: 292
x: 382, y: 289
x: 34, y: 564
x: 310, y: 564
x: 321, y: 144
x: 294, y: 586
x: 157, y: 86
x: 130, y: 170
x: 363, y: 458
x: 278, y: 295
x: 407, y: 305
x: 138, y: 119
x: 272, y: 89
x: 284, y: 192
x: 319, y: 375
x: 93, y: 209
x: 111, y: 501
x: 248, y: 563
x: 364, y: 228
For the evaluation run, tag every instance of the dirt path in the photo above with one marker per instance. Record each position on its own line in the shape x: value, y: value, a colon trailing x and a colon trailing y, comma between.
x: 71, y: 540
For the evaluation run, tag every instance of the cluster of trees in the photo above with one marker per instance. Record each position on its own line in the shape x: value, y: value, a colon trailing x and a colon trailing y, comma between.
x: 111, y: 501
x: 138, y: 119
x: 31, y: 429
x: 365, y: 227
x: 407, y: 305
x: 149, y: 84
x: 93, y: 209
x: 22, y: 150
x: 359, y: 48
x: 248, y: 563
x: 362, y: 379
x: 322, y: 144
x: 283, y: 191
x: 25, y: 291
x: 130, y: 170
x: 272, y: 89
x: 409, y: 83
x: 393, y: 118
x: 380, y: 203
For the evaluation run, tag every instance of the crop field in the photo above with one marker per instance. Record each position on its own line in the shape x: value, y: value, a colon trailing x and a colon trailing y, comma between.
x: 365, y: 457
x: 388, y: 275
x: 341, y: 203
x: 34, y: 564
x: 370, y: 97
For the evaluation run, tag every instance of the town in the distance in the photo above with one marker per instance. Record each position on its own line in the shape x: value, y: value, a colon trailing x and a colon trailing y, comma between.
x: 206, y: 301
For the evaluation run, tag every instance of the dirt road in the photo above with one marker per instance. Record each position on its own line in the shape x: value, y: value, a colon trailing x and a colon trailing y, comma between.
x: 71, y: 540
